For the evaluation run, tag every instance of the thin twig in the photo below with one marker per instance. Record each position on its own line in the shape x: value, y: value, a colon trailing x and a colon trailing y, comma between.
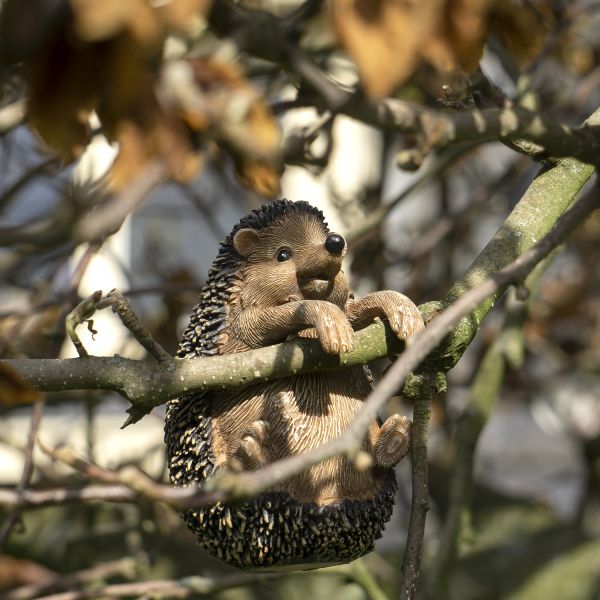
x: 28, y: 466
x: 121, y: 307
x: 411, y: 563
x: 374, y: 220
x: 128, y: 567
x: 81, y: 313
x: 108, y: 216
x: 198, y: 586
x: 29, y: 499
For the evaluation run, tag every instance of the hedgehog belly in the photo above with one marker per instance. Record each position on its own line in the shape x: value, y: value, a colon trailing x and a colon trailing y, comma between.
x: 275, y: 530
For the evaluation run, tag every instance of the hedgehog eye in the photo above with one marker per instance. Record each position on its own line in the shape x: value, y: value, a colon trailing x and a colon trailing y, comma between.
x: 284, y: 254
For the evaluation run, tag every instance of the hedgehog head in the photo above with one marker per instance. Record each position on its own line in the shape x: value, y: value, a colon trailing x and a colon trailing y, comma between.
x: 290, y: 256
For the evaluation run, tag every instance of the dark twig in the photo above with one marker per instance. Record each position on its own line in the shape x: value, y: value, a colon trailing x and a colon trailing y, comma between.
x: 421, y: 398
x: 13, y: 518
x: 108, y: 216
x: 121, y: 307
x: 198, y: 586
x: 81, y: 313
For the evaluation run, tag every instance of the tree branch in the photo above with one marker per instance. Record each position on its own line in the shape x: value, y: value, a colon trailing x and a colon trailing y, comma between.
x: 147, y: 384
x: 13, y: 518
x: 124, y: 567
x: 199, y: 586
x: 440, y: 128
x: 505, y: 351
x: 411, y: 564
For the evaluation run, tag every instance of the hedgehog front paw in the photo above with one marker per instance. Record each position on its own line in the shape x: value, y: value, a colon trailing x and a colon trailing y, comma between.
x: 253, y: 453
x: 402, y: 313
x: 334, y: 330
x: 393, y: 441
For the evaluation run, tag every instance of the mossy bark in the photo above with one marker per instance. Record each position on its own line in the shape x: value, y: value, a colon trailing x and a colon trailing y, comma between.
x: 549, y: 196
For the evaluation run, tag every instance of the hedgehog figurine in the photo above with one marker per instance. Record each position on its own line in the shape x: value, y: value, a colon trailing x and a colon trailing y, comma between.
x: 278, y: 274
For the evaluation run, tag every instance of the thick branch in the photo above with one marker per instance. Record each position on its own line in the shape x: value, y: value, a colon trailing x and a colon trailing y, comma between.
x: 148, y: 384
x: 548, y: 196
x: 440, y: 128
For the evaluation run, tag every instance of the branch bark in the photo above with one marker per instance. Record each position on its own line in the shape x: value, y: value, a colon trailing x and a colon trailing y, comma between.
x: 439, y: 128
x: 147, y: 384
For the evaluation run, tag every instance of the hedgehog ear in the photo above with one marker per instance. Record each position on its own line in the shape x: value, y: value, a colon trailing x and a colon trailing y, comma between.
x: 244, y: 240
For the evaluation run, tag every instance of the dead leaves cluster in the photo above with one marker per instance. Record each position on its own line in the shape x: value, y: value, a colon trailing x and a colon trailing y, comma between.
x: 106, y: 56
x: 389, y: 39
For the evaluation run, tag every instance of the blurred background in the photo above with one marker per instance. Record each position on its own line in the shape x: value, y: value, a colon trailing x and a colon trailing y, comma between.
x: 87, y: 120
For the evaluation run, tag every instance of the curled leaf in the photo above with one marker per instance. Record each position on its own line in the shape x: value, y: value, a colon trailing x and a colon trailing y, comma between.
x: 389, y: 39
x: 215, y: 99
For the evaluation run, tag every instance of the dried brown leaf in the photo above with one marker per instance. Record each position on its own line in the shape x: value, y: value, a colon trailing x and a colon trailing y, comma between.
x: 522, y: 27
x: 260, y: 177
x: 95, y: 20
x: 141, y: 141
x: 228, y: 108
x: 460, y: 36
x: 105, y: 58
x: 178, y: 14
x: 384, y: 37
x: 17, y: 572
x: 389, y: 39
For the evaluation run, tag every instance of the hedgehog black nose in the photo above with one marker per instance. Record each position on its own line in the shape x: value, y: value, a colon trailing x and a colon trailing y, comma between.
x: 334, y: 244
